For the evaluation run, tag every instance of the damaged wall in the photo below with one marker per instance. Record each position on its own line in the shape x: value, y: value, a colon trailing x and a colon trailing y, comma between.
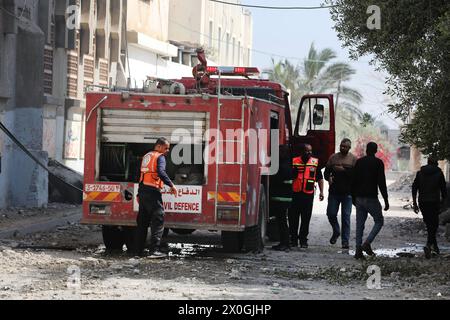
x: 22, y: 181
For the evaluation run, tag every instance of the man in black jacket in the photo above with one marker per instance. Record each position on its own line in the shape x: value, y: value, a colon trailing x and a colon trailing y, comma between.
x: 369, y: 176
x: 430, y: 183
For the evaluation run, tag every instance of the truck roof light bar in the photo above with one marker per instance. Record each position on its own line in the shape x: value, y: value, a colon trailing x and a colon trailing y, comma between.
x: 233, y: 71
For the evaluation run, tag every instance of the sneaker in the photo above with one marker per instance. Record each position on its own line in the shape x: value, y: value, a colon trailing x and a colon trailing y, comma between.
x: 157, y: 255
x: 427, y: 252
x: 304, y: 245
x: 334, y: 238
x: 345, y: 246
x: 281, y: 247
x: 359, y: 255
x: 368, y: 249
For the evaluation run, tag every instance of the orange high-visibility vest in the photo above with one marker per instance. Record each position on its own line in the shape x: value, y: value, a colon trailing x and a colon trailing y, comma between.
x: 149, y: 170
x: 306, y: 177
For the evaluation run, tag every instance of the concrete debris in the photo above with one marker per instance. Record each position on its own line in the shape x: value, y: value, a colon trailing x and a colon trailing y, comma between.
x: 235, y: 274
x: 403, y: 183
x: 134, y: 262
x: 444, y: 217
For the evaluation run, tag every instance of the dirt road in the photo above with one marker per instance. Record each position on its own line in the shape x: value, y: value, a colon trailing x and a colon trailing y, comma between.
x: 78, y: 268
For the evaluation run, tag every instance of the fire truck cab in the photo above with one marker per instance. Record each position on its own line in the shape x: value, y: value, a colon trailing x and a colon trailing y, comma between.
x: 225, y: 127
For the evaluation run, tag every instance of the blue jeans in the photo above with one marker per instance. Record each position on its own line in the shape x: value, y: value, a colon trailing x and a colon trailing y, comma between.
x: 365, y: 206
x: 332, y: 211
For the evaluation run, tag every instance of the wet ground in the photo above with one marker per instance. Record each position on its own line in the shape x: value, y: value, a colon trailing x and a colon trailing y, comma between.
x: 69, y: 262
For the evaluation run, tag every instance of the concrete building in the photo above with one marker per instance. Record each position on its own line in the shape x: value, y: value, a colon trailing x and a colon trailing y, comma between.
x: 84, y: 47
x: 51, y: 51
x: 112, y: 43
x: 149, y: 51
x: 22, y: 181
x: 225, y: 31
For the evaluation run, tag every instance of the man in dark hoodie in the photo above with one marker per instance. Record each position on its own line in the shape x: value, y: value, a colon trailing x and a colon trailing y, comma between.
x: 430, y: 183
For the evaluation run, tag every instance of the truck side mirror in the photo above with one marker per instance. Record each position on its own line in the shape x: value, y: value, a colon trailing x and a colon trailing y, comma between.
x: 318, y: 114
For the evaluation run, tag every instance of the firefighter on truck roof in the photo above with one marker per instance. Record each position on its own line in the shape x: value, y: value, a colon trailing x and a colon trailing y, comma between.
x: 151, y: 209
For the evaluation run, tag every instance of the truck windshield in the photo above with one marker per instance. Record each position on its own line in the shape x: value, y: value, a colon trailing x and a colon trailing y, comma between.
x: 268, y: 94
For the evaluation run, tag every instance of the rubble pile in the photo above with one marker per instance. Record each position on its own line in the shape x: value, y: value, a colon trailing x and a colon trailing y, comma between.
x: 403, y: 183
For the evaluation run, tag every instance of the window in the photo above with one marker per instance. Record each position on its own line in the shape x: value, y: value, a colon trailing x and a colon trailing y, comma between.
x: 186, y: 58
x: 274, y: 125
x: 219, y: 42
x: 239, y: 54
x: 211, y: 30
x: 227, y: 58
x: 307, y: 113
x: 233, y: 57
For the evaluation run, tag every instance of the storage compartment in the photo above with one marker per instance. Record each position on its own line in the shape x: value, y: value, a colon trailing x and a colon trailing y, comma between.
x: 127, y: 135
x: 121, y: 162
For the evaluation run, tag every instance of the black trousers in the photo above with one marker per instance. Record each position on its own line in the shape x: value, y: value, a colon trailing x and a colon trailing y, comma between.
x: 430, y: 213
x: 281, y: 218
x: 151, y: 214
x: 302, y: 205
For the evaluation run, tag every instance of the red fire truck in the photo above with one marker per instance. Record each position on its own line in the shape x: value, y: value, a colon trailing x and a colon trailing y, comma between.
x: 223, y: 180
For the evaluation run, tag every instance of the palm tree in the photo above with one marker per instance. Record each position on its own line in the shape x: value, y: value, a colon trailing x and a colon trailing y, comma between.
x: 320, y: 75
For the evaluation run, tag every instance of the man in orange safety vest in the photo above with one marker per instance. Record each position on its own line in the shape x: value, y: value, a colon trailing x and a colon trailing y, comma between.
x: 307, y: 173
x: 151, y: 209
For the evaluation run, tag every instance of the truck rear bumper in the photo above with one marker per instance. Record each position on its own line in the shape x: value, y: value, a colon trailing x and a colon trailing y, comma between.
x: 127, y: 223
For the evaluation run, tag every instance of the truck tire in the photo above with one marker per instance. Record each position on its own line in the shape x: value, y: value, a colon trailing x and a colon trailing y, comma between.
x: 113, y: 238
x: 183, y: 231
x: 232, y: 241
x: 254, y: 237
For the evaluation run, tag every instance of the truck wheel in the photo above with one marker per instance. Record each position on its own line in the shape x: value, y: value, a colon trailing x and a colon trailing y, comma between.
x: 232, y: 241
x: 254, y: 237
x: 113, y: 238
x: 183, y: 231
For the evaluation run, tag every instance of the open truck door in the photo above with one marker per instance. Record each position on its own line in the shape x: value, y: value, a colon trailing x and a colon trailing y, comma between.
x: 315, y: 125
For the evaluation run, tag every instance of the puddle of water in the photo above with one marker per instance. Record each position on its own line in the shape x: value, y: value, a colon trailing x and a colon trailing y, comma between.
x: 185, y: 250
x: 412, y: 250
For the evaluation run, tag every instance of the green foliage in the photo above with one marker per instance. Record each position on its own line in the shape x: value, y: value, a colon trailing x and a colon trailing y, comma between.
x: 367, y: 119
x: 413, y: 46
x: 318, y: 74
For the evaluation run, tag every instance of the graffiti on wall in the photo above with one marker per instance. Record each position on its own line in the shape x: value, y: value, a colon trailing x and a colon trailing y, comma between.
x: 49, y: 136
x: 72, y: 140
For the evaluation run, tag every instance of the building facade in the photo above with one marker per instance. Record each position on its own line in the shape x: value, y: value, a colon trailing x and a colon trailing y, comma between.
x: 149, y: 50
x: 22, y: 181
x: 53, y: 51
x: 225, y: 31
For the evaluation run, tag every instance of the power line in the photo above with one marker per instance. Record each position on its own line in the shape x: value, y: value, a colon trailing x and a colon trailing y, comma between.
x: 270, y: 54
x: 271, y: 7
x: 39, y: 163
